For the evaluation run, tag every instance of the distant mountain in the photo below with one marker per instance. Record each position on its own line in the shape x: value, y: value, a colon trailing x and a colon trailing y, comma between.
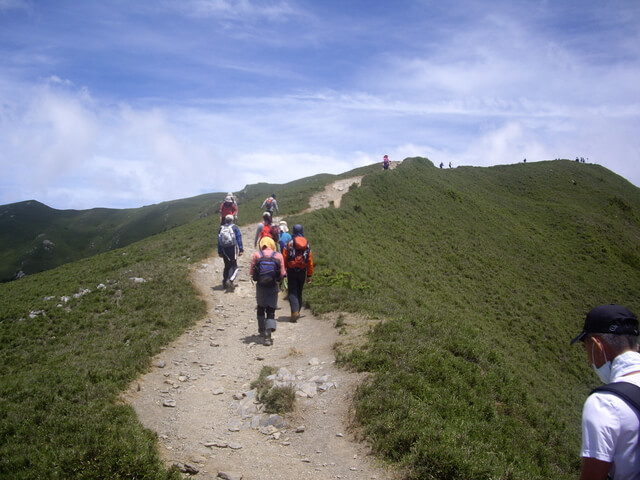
x: 35, y: 237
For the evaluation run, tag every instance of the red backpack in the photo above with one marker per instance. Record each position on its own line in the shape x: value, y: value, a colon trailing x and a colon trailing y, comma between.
x: 298, y: 253
x: 266, y: 230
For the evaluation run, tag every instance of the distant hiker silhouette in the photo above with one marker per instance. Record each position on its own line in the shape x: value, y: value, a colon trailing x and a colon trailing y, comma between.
x: 385, y: 162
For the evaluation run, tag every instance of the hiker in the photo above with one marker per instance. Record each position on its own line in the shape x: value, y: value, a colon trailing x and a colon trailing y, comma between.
x: 610, y: 424
x: 266, y: 228
x: 298, y: 260
x: 267, y: 269
x: 228, y: 207
x: 270, y: 204
x: 449, y: 164
x: 229, y: 248
x: 441, y: 164
x: 285, y: 236
x: 385, y: 162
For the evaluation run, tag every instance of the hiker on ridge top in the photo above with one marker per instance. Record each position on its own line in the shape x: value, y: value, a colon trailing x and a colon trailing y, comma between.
x: 229, y: 248
x: 228, y: 207
x: 298, y: 260
x: 385, y: 162
x: 266, y: 228
x: 610, y: 424
x: 270, y: 204
x: 267, y: 269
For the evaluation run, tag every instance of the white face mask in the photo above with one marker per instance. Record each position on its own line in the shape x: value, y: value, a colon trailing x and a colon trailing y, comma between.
x: 604, y: 371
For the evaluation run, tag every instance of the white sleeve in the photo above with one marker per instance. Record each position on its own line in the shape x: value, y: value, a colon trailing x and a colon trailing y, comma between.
x: 600, y: 427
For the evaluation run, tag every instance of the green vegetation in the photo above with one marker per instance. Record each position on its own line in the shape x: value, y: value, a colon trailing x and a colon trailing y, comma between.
x: 35, y: 238
x: 482, y: 276
x: 276, y: 399
x: 64, y: 363
x: 479, y: 275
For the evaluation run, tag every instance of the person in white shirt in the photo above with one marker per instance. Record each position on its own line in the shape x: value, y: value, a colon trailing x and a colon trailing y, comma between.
x: 610, y: 425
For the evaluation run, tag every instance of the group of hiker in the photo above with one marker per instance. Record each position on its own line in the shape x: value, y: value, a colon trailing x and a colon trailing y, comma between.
x: 611, y: 414
x: 283, y: 261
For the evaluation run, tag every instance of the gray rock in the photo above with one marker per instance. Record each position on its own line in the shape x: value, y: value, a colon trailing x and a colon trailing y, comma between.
x: 187, y: 468
x: 217, y: 444
x: 169, y: 403
x: 230, y: 475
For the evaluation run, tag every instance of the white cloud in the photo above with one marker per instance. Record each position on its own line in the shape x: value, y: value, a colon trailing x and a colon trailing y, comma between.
x: 227, y: 94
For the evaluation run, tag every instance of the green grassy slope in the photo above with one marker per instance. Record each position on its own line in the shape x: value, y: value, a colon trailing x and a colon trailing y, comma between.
x: 35, y: 237
x: 483, y: 275
x: 66, y: 354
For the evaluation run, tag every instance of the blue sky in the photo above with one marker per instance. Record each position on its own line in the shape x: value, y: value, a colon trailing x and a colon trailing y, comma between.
x: 113, y: 103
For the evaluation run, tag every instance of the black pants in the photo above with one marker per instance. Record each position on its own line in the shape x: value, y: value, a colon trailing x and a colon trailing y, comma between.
x: 269, y: 323
x: 230, y: 262
x: 296, y: 278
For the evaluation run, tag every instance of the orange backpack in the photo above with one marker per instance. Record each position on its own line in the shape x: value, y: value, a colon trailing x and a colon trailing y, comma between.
x: 298, y: 253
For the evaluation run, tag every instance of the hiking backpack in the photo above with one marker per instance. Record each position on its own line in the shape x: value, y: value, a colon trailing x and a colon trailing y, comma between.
x: 298, y: 253
x: 267, y: 270
x: 270, y: 231
x: 266, y: 230
x: 269, y: 203
x: 227, y: 236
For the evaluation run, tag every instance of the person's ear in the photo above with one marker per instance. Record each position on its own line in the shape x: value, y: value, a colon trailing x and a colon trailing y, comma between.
x: 599, y: 352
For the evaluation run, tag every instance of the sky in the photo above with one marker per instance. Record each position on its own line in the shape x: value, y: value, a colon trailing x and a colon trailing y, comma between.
x: 120, y: 104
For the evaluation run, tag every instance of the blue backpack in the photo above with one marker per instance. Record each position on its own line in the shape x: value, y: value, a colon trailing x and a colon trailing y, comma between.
x: 267, y: 270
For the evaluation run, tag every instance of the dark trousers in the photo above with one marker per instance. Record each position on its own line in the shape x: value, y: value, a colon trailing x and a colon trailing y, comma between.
x: 296, y: 279
x: 268, y: 323
x: 230, y: 262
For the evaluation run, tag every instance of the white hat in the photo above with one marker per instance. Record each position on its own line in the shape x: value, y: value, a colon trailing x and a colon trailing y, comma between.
x: 283, y: 226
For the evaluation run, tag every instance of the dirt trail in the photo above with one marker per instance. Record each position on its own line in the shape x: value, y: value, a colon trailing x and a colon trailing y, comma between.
x: 191, y: 393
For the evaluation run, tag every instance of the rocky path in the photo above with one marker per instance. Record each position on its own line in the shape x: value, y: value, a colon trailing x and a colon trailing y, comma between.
x: 197, y: 396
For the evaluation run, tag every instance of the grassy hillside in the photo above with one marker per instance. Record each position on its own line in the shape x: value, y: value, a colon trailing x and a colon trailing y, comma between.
x: 35, y: 237
x: 72, y: 338
x: 481, y: 275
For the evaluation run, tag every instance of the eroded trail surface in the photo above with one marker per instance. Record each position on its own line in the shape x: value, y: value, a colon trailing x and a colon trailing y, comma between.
x: 197, y: 396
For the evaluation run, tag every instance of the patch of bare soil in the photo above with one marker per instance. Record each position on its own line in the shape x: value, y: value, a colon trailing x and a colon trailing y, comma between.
x: 332, y: 193
x: 190, y: 396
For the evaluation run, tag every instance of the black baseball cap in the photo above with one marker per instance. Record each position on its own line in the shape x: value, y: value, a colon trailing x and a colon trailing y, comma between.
x: 614, y: 319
